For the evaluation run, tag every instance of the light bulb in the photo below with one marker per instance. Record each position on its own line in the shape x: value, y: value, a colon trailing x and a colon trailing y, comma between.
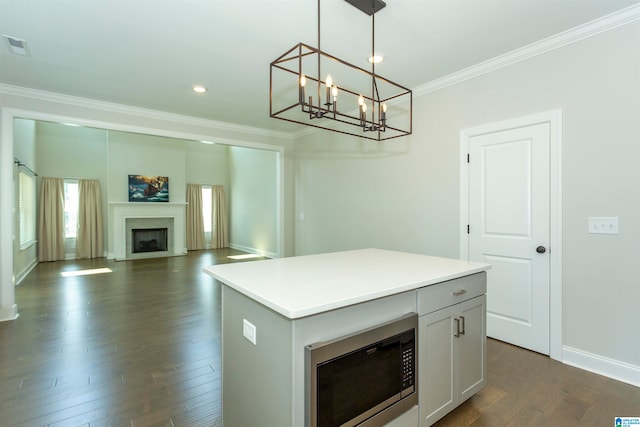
x: 303, y: 80
x: 376, y: 58
x: 364, y: 108
x: 329, y: 81
x: 384, y: 108
x: 334, y: 91
x: 361, y: 100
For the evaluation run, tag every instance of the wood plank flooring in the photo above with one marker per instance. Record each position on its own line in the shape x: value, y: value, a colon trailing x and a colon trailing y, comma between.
x: 529, y: 389
x: 141, y: 347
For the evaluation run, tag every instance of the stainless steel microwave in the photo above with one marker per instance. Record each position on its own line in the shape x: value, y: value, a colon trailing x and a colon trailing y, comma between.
x: 365, y: 379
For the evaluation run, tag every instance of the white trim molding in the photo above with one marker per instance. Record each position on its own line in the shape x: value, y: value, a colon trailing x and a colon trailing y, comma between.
x: 9, y: 313
x: 25, y: 271
x: 162, y: 127
x: 137, y: 111
x: 170, y: 215
x: 8, y: 307
x: 601, y: 365
x: 255, y: 251
x: 573, y: 35
x: 593, y: 28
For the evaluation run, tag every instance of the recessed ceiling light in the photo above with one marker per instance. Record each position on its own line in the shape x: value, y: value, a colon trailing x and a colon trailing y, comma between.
x: 377, y: 58
x: 199, y: 89
x: 208, y: 142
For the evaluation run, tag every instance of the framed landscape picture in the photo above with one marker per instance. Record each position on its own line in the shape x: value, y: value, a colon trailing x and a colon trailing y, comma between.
x: 148, y: 188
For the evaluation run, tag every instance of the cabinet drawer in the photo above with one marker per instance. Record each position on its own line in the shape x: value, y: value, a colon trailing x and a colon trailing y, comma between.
x: 440, y: 295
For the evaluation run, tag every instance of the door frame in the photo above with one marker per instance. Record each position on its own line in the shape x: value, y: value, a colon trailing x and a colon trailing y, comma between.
x: 554, y: 119
x: 111, y: 117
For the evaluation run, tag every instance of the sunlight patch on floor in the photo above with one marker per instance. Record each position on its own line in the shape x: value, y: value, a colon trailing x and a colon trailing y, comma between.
x: 245, y: 256
x: 85, y: 272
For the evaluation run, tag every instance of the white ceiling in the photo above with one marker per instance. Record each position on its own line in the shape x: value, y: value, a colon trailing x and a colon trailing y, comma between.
x: 149, y: 53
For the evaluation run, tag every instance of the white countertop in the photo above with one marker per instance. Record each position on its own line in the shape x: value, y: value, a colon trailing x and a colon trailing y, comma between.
x: 303, y: 286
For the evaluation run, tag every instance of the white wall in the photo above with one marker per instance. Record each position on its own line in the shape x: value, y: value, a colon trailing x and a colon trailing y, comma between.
x: 208, y: 164
x: 253, y: 209
x: 136, y: 154
x: 404, y: 194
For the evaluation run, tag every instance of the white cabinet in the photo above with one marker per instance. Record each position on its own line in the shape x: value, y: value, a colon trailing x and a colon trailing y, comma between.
x: 451, y: 348
x: 472, y: 347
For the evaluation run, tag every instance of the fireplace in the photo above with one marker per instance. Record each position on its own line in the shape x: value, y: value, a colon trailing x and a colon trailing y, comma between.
x: 149, y: 240
x: 149, y: 237
x: 126, y: 217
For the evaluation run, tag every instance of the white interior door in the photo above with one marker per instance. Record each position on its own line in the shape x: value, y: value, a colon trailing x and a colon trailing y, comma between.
x: 509, y: 228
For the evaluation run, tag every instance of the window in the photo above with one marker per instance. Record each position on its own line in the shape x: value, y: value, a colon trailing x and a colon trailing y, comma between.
x: 70, y: 208
x: 207, y: 209
x: 27, y: 208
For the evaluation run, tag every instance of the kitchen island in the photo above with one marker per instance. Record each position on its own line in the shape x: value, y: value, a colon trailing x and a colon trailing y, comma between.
x: 272, y: 309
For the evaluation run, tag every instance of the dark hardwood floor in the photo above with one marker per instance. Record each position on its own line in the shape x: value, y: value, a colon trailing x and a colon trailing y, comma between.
x: 141, y: 347
x: 529, y: 389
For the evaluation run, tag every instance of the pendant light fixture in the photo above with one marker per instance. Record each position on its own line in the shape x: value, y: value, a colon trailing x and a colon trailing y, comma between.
x: 349, y: 99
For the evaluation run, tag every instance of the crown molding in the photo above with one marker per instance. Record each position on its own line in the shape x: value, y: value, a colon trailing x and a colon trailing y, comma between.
x: 576, y: 34
x: 137, y: 111
x: 573, y: 35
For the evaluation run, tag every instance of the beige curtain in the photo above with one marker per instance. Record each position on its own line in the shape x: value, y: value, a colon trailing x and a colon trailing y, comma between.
x: 89, y: 239
x: 220, y: 227
x: 51, y: 220
x: 195, y: 221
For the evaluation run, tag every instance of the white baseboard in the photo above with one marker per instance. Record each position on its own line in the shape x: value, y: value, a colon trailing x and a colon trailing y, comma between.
x: 25, y: 271
x: 71, y: 256
x: 9, y: 313
x: 253, y: 250
x: 601, y: 365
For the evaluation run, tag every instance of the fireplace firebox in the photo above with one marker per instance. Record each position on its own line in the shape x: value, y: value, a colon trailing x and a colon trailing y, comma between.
x: 149, y: 240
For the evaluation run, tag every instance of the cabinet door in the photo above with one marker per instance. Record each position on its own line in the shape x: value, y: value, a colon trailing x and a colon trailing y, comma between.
x: 472, y: 349
x: 436, y: 366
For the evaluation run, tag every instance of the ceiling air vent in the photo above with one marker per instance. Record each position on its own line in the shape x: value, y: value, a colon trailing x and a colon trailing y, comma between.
x: 16, y: 45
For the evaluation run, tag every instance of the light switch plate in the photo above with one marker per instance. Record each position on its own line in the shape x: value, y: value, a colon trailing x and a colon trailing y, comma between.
x: 249, y: 331
x: 603, y: 225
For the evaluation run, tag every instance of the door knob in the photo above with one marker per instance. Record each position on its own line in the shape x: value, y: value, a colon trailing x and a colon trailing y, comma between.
x: 541, y: 249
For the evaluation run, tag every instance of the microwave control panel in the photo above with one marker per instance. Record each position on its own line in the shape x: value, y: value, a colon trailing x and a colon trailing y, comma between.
x: 407, y: 368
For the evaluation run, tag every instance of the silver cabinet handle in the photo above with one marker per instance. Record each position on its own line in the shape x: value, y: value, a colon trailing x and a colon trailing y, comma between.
x: 457, y: 334
x: 459, y: 292
x: 462, y: 320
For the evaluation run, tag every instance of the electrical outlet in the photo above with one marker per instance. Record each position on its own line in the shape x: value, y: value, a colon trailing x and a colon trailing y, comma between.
x: 603, y: 225
x: 249, y: 331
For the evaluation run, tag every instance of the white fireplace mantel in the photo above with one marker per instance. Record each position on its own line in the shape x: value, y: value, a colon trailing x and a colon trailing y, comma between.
x: 121, y: 211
